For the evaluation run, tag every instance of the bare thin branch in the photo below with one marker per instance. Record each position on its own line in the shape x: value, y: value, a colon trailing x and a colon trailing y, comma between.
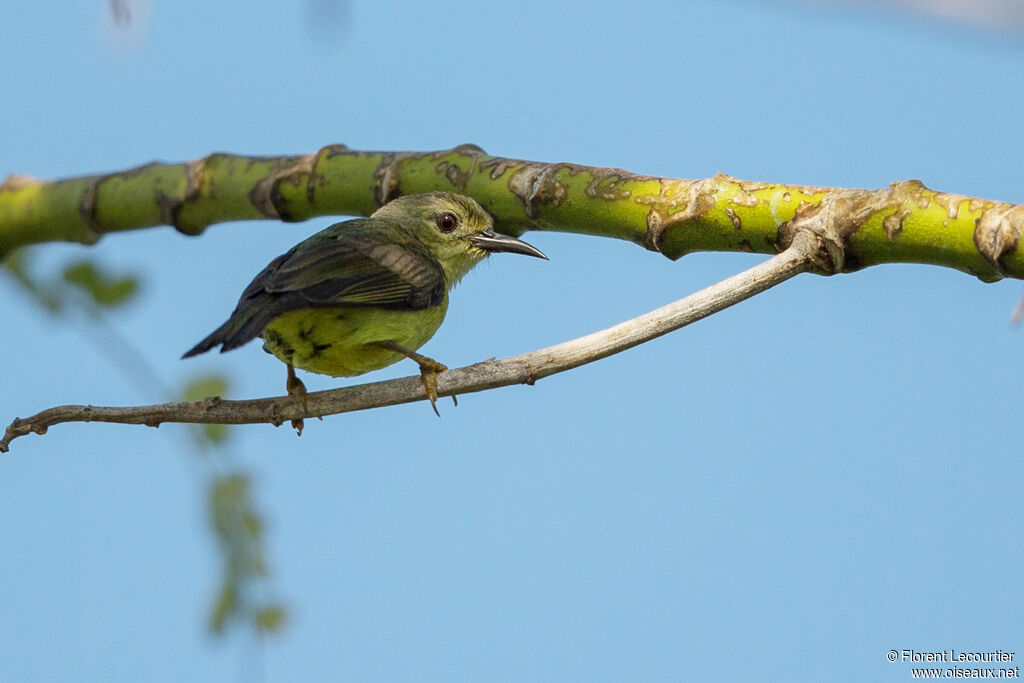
x: 806, y: 253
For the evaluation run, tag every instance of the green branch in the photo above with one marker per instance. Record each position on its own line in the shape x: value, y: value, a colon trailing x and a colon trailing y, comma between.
x: 905, y: 222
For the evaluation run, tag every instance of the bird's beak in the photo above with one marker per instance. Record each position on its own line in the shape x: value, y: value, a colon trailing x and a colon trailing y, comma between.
x: 491, y: 241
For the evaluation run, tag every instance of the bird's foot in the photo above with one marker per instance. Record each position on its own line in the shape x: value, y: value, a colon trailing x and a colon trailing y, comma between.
x: 297, y: 389
x: 428, y: 372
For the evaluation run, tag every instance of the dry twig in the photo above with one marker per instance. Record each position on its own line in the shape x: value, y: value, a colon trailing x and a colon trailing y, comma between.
x: 807, y: 252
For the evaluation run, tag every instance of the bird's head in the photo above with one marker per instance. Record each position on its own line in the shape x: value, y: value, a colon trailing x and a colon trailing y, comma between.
x: 456, y: 229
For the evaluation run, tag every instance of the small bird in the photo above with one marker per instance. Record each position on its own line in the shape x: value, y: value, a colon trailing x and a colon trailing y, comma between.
x: 362, y: 294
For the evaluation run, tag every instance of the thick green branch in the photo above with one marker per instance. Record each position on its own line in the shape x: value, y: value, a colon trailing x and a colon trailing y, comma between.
x: 905, y: 222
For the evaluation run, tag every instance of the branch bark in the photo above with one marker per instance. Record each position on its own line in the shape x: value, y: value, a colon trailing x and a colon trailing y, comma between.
x: 905, y: 222
x: 806, y: 253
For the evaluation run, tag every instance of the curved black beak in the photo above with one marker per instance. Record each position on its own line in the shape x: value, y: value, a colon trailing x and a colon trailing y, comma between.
x: 491, y: 241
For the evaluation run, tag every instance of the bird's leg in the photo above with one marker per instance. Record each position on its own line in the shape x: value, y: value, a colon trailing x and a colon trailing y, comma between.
x: 298, y: 389
x: 428, y: 371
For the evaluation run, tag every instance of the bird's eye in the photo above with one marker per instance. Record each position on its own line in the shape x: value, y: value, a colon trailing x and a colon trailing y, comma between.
x: 447, y: 222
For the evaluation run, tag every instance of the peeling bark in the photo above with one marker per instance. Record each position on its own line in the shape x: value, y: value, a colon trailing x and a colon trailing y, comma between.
x: 905, y: 222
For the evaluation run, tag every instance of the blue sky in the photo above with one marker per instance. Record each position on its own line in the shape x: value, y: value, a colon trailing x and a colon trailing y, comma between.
x: 785, y: 491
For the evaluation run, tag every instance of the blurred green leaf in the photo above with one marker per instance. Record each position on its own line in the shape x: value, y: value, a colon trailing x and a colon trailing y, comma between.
x: 225, y: 606
x: 104, y: 288
x: 204, y: 387
x: 215, y: 433
x: 17, y: 264
x: 238, y: 529
x: 270, y: 618
x: 229, y: 498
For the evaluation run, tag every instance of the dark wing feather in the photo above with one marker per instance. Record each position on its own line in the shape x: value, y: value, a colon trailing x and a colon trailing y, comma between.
x: 348, y: 264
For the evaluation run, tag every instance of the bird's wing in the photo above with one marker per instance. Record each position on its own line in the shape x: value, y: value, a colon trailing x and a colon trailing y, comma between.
x: 355, y: 266
x: 348, y: 264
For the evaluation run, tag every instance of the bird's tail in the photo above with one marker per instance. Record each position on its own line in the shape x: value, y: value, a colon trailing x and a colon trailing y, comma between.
x: 215, y: 338
x: 241, y: 328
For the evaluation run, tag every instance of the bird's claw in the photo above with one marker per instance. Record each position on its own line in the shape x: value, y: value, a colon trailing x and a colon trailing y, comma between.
x: 428, y: 373
x: 297, y: 389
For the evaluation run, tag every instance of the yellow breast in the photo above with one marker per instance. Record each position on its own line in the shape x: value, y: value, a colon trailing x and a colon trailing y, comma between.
x: 341, y: 341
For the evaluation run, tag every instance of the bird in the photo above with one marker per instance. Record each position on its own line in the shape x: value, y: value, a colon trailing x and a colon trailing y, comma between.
x: 365, y: 293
